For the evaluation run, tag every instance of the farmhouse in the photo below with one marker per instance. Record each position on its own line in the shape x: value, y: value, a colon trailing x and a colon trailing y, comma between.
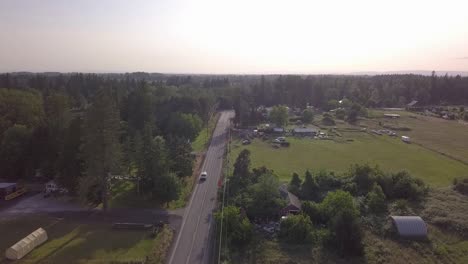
x: 410, y: 227
x: 293, y: 205
x: 307, y: 131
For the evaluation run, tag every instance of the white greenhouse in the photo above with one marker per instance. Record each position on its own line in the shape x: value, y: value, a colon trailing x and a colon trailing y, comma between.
x: 26, y: 245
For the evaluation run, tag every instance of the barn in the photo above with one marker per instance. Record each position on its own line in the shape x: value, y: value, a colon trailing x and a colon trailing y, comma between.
x: 410, y: 227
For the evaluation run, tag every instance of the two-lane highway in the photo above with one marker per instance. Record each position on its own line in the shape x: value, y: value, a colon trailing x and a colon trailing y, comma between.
x: 193, y: 244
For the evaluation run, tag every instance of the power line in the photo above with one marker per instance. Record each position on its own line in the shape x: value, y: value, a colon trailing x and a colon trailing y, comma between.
x: 228, y: 150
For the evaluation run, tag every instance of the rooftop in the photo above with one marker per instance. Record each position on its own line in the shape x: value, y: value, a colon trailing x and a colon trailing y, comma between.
x: 290, y: 198
x: 304, y: 130
x: 410, y: 226
x: 6, y: 184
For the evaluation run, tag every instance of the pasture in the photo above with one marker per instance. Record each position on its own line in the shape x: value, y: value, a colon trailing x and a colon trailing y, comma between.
x: 448, y: 137
x: 390, y: 154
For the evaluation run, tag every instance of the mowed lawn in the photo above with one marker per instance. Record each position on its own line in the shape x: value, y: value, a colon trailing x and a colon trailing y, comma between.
x: 391, y: 154
x: 73, y: 242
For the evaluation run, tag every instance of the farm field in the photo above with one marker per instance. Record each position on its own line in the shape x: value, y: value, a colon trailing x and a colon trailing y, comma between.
x: 445, y: 136
x: 73, y: 242
x: 391, y: 154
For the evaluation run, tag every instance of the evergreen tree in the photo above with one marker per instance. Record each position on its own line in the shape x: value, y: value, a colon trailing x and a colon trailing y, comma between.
x: 295, y: 184
x: 309, y: 188
x: 101, y: 147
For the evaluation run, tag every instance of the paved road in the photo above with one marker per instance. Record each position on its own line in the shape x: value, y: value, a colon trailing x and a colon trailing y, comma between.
x: 193, y: 243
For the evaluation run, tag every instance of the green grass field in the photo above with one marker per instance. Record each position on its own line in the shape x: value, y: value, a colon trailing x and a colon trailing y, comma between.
x: 73, y: 242
x: 391, y: 154
x: 445, y: 136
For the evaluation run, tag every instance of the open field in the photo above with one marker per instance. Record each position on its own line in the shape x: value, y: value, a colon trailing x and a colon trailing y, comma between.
x: 391, y: 154
x: 71, y: 241
x: 444, y: 136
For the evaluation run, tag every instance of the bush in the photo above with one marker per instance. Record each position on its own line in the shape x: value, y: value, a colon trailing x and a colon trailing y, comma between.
x: 327, y: 120
x: 296, y: 229
x: 312, y: 209
x: 376, y: 200
x: 340, y: 114
x: 407, y: 187
x: 239, y: 226
x: 336, y: 202
x: 364, y: 176
x: 461, y: 186
x: 402, y: 185
x: 347, y: 233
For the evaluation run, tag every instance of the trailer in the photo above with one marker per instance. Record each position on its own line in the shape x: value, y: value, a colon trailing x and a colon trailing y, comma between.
x: 11, y: 190
x: 406, y: 139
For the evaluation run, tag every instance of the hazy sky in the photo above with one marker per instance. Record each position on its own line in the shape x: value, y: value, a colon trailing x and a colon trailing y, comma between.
x: 237, y: 36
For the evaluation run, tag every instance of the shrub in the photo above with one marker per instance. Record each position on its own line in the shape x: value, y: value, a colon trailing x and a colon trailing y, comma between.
x: 296, y: 229
x: 364, y: 176
x: 376, y: 200
x: 327, y: 120
x: 239, y: 226
x: 402, y: 185
x: 312, y: 209
x: 340, y: 114
x: 336, y: 202
x: 461, y: 186
x: 407, y: 187
x: 347, y: 233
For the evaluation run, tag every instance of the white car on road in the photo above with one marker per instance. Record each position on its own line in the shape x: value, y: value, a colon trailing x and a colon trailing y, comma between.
x: 203, y: 176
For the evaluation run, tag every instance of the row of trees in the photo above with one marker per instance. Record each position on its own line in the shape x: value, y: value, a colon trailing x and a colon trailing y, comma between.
x: 369, y: 91
x: 360, y: 180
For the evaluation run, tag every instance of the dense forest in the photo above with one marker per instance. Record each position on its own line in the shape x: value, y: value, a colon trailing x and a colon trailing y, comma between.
x: 81, y: 129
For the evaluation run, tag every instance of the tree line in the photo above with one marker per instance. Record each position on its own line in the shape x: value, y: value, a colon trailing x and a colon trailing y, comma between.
x: 84, y: 130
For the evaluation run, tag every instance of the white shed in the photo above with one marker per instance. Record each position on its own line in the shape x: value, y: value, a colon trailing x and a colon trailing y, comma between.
x: 26, y: 245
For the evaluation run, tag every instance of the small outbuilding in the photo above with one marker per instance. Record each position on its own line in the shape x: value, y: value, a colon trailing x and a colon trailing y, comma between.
x: 293, y: 204
x: 278, y: 130
x: 26, y: 245
x: 304, y: 131
x: 7, y: 188
x: 410, y: 227
x: 392, y: 115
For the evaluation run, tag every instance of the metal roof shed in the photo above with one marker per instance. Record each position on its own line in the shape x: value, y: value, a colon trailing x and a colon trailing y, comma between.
x: 410, y: 227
